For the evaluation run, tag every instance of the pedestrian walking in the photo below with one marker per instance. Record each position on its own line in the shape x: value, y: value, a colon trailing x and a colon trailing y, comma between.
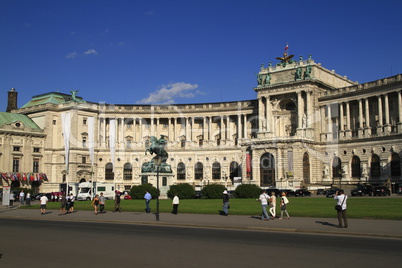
x: 63, y: 204
x: 11, y: 199
x: 264, y: 203
x: 28, y: 199
x: 341, y: 198
x: 225, y: 205
x: 175, y: 204
x: 147, y: 198
x: 117, y: 202
x: 72, y: 199
x: 95, y: 204
x: 102, y: 201
x: 284, y: 202
x: 43, y: 202
x: 272, y: 205
x: 22, y: 197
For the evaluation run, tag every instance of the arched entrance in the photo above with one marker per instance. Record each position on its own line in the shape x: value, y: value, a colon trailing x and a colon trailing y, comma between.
x: 267, y: 170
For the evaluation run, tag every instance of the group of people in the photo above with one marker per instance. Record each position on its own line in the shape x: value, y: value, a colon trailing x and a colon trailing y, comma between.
x: 175, y: 203
x: 271, y: 202
x: 67, y: 204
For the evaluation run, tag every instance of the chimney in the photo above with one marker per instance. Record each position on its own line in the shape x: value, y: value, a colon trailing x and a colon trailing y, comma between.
x: 12, y: 100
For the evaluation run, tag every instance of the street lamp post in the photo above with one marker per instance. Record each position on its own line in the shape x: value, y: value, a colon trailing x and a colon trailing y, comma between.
x: 157, y: 161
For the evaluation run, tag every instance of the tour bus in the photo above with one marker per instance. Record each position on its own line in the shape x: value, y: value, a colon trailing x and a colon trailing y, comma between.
x: 86, y: 189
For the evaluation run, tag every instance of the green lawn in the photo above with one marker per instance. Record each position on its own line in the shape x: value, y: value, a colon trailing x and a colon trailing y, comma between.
x: 358, y: 207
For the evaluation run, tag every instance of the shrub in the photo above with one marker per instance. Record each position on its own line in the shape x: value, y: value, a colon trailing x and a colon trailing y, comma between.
x: 213, y: 191
x: 138, y: 192
x: 247, y: 191
x: 183, y: 190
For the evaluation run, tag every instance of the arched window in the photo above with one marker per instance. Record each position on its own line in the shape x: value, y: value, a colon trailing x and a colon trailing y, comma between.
x: 375, y: 168
x: 109, y: 174
x: 395, y: 165
x: 356, y: 170
x: 181, y: 171
x: 128, y: 172
x: 336, y: 167
x: 216, y: 171
x: 235, y: 170
x: 306, y: 168
x: 198, y: 171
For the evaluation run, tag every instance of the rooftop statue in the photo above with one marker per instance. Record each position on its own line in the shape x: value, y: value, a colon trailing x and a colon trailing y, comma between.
x: 285, y: 58
x: 74, y: 94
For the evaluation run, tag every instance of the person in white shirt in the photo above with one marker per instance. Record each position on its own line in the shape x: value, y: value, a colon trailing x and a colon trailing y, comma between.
x: 175, y: 204
x: 272, y: 205
x: 264, y: 203
x: 341, y: 201
x: 22, y: 197
x: 43, y: 202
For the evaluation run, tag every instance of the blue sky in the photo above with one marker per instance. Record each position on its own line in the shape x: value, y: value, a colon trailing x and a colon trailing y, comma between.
x: 160, y: 52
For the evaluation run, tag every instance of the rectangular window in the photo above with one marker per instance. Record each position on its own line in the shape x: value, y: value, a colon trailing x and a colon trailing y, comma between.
x: 16, y: 165
x: 101, y: 189
x: 16, y: 148
x: 128, y: 143
x: 200, y: 142
x: 84, y: 159
x: 164, y: 181
x: 84, y: 121
x: 35, y: 168
x: 36, y: 150
x: 183, y: 143
x: 54, y: 122
x: 84, y: 142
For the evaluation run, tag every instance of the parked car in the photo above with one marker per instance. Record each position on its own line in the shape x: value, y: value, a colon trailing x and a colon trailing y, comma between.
x: 362, y: 190
x: 277, y: 192
x: 331, y: 192
x: 321, y: 191
x: 381, y: 191
x: 302, y: 192
x: 288, y: 192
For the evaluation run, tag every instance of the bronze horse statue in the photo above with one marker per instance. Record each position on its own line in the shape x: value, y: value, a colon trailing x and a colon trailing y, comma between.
x: 157, y: 147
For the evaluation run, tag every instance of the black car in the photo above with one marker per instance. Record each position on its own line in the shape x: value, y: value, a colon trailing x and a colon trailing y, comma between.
x: 288, y: 192
x: 381, y: 191
x: 331, y: 192
x: 276, y: 191
x: 362, y: 190
x: 302, y: 192
x: 321, y: 191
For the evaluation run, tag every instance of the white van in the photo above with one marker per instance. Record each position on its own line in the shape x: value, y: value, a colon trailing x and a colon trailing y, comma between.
x: 86, y: 189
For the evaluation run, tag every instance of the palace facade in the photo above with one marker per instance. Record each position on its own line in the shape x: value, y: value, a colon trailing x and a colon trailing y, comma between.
x: 308, y: 127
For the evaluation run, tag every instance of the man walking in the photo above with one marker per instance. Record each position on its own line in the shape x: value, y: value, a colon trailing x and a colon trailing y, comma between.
x: 22, y: 197
x: 102, y: 201
x: 175, y: 204
x: 264, y: 203
x: 341, y: 201
x: 225, y: 200
x: 43, y: 202
x: 147, y: 198
x: 117, y: 202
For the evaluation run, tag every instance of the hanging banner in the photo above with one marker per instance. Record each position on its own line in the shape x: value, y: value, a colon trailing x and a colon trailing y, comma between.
x: 66, y: 123
x: 91, y: 145
x: 248, y: 164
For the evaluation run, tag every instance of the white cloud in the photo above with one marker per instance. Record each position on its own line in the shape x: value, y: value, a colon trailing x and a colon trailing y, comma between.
x: 71, y: 55
x: 168, y: 93
x: 90, y: 51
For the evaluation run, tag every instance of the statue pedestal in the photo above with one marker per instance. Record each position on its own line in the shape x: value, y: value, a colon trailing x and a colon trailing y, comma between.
x: 165, y: 180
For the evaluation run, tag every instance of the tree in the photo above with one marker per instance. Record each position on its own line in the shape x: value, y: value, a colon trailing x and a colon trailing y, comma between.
x: 138, y: 192
x: 247, y: 191
x: 183, y: 191
x: 213, y: 191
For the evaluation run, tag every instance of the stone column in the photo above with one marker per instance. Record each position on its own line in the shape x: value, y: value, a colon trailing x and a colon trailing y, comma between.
x: 329, y: 122
x: 380, y: 121
x: 209, y: 128
x: 239, y: 127
x: 268, y: 115
x: 300, y: 110
x: 360, y: 131
x: 309, y: 106
x: 260, y: 114
x: 367, y: 130
x: 348, y: 129
x: 228, y: 130
x: 245, y: 126
x: 387, y: 127
x: 341, y: 122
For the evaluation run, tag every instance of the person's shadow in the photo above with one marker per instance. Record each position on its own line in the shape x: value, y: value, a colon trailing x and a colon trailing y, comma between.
x: 326, y: 223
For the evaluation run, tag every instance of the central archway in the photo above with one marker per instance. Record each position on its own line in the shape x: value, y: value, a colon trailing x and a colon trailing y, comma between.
x: 267, y: 170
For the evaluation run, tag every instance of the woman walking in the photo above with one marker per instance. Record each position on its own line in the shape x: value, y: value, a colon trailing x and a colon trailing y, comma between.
x: 284, y: 202
x: 95, y: 204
